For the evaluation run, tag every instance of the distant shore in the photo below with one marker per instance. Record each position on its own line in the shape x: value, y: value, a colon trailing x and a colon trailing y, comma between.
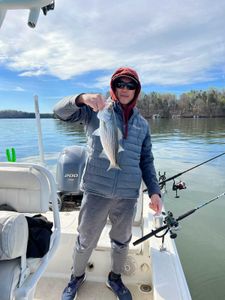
x: 14, y: 114
x: 148, y: 114
x: 27, y: 115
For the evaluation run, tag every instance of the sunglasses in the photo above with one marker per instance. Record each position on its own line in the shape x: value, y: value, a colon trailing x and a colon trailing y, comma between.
x: 128, y: 85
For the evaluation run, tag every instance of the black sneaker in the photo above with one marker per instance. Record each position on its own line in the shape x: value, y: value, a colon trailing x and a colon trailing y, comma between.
x: 70, y: 292
x: 116, y: 285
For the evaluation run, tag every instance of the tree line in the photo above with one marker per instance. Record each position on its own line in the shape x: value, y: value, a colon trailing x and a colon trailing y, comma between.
x: 210, y: 103
x: 195, y: 103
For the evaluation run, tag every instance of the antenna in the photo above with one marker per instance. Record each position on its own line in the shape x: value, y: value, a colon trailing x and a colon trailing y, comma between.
x: 40, y: 142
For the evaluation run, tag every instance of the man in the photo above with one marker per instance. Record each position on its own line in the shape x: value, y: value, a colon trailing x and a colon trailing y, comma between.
x: 111, y: 192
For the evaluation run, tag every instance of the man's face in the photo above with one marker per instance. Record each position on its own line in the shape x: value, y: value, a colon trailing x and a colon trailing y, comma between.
x: 125, y: 93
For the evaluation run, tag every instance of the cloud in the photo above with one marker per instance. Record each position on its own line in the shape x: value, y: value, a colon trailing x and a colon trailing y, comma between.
x: 10, y: 87
x: 169, y: 43
x: 32, y: 73
x: 19, y: 89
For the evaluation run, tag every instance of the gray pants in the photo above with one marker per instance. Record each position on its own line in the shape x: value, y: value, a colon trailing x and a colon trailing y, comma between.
x: 92, y: 219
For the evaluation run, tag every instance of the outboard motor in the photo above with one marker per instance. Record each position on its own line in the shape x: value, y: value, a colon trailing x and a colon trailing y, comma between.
x: 69, y: 171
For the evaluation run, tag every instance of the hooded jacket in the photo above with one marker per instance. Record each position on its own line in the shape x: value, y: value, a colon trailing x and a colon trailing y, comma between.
x: 136, y: 161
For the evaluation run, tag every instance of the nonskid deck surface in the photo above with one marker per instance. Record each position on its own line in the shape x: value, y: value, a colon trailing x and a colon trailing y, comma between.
x: 51, y: 289
x: 143, y: 260
x: 51, y: 286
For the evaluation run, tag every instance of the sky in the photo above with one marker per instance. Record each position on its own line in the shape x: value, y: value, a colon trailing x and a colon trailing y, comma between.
x: 175, y: 46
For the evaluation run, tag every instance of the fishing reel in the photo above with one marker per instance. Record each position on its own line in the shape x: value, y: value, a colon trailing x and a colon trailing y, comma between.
x: 172, y: 224
x: 169, y: 223
x: 178, y: 186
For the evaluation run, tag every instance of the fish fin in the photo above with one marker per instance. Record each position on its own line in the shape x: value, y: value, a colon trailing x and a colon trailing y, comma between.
x: 120, y: 149
x: 111, y: 166
x: 96, y: 132
x: 103, y: 155
x: 120, y: 137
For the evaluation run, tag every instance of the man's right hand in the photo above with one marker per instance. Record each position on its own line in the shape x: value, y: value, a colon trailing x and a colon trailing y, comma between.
x: 95, y: 101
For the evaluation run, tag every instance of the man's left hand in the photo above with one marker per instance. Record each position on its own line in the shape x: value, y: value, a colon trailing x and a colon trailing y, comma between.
x: 156, y: 203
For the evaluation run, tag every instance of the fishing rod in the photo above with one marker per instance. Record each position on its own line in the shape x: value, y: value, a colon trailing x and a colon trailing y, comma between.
x: 171, y: 223
x: 181, y: 185
x: 192, y: 168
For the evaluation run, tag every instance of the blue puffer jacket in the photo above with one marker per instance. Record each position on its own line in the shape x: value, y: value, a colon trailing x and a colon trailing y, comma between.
x: 136, y: 161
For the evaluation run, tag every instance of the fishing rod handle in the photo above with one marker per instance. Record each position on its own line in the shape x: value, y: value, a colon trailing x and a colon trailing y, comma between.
x: 147, y: 236
x: 188, y: 213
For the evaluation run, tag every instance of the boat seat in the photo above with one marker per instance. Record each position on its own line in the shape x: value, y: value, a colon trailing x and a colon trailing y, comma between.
x: 104, y: 241
x: 9, y: 274
x: 25, y: 190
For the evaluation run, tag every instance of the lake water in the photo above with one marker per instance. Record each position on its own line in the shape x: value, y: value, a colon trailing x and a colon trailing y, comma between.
x: 177, y: 146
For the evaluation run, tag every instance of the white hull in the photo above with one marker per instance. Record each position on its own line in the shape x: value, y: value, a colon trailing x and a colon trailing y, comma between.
x: 150, y: 274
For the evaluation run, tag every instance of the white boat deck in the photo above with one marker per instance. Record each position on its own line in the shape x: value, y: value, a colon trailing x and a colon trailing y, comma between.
x: 59, y: 270
x: 51, y: 289
x: 147, y: 274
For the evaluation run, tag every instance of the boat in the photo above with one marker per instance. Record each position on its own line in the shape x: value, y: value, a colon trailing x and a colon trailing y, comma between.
x: 153, y: 270
x: 156, y: 116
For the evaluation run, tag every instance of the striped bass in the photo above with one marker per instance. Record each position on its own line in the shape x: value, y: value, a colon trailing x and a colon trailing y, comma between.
x: 110, y: 135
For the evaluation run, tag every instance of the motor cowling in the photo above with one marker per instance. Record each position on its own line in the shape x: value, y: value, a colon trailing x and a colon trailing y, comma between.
x: 70, y: 168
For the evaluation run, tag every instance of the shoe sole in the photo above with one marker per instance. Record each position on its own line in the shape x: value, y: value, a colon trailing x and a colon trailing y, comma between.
x: 108, y: 286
